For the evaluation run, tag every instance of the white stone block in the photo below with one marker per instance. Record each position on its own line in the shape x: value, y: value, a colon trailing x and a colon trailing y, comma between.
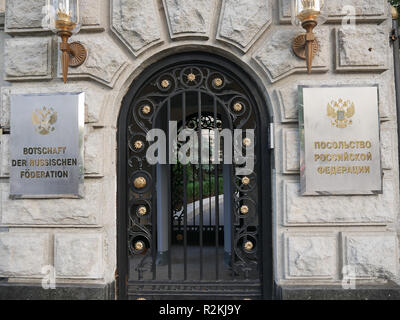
x: 136, y: 24
x: 310, y: 256
x: 319, y: 210
x: 291, y: 151
x: 365, y: 10
x: 91, y: 13
x: 94, y: 152
x: 362, y: 49
x: 28, y: 58
x: 24, y: 14
x: 4, y: 153
x: 387, y: 145
x: 78, y: 255
x: 27, y: 15
x: 23, y: 254
x: 86, y: 211
x: 243, y: 21
x: 104, y: 66
x: 278, y: 60
x: 371, y: 255
x: 189, y: 18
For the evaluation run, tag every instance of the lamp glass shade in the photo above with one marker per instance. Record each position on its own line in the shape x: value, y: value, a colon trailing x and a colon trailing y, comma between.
x: 63, y: 16
x: 308, y: 10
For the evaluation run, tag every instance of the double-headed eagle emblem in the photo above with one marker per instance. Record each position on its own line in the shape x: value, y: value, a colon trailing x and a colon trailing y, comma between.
x: 341, y: 111
x: 44, y: 119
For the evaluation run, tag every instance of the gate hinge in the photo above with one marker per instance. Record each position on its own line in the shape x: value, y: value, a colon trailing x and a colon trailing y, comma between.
x: 393, y: 35
x: 271, y: 135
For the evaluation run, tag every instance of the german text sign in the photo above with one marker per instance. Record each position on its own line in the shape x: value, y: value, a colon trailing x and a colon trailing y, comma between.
x: 339, y: 141
x: 46, y: 145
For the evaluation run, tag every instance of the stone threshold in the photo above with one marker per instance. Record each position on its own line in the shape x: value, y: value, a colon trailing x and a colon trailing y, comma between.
x: 364, y: 292
x: 29, y: 291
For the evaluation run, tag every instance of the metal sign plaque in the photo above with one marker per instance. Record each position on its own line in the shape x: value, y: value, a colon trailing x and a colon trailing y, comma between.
x: 339, y: 141
x: 46, y: 145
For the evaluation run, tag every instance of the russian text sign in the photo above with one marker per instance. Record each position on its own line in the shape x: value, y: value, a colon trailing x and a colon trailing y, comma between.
x: 339, y: 141
x: 46, y: 145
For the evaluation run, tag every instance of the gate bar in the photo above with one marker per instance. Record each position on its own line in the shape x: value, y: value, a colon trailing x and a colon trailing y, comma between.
x: 216, y: 183
x: 184, y: 192
x: 396, y: 60
x: 169, y: 207
x: 200, y: 185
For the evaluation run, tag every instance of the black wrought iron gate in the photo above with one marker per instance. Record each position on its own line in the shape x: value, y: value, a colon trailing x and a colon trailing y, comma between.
x: 193, y: 229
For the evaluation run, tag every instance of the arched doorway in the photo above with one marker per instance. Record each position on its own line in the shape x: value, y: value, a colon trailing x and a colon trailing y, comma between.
x: 202, y: 229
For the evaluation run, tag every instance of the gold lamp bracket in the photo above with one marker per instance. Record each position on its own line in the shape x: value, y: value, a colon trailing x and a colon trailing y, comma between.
x: 78, y: 54
x: 73, y: 54
x: 299, y: 46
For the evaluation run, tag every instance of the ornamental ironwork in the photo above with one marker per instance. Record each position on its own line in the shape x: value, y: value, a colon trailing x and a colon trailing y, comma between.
x: 200, y: 98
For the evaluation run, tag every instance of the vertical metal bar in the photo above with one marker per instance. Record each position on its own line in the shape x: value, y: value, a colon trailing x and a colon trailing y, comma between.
x: 200, y: 185
x: 216, y: 183
x: 194, y: 195
x: 233, y: 181
x: 184, y: 194
x: 169, y: 210
x: 209, y: 176
x: 396, y: 61
x: 154, y: 227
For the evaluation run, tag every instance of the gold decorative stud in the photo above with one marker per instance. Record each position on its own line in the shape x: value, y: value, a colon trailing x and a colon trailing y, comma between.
x: 138, y: 145
x: 238, y: 107
x: 191, y: 77
x: 140, y: 183
x: 179, y: 237
x: 165, y: 84
x: 246, y: 142
x: 139, y: 245
x: 248, y: 246
x: 218, y: 82
x: 244, y: 209
x: 146, y: 109
x: 142, y: 211
x: 245, y: 180
x: 394, y: 12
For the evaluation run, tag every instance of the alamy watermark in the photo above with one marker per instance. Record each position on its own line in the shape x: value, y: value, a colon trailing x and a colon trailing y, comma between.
x: 202, y: 147
x: 49, y: 277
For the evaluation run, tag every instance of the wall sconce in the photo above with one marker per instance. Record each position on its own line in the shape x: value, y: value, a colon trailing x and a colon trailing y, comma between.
x: 307, y: 14
x: 64, y: 21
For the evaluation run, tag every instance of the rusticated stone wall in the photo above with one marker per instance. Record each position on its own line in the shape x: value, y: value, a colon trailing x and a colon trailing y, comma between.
x: 314, y: 237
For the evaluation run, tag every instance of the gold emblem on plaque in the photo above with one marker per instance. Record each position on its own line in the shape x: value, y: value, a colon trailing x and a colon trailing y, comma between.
x: 341, y: 112
x: 44, y: 120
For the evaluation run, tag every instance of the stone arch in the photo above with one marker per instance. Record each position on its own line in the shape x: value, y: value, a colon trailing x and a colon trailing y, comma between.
x: 152, y: 57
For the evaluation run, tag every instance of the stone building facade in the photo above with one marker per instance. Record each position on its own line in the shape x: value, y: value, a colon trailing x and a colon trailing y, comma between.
x: 313, y: 237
